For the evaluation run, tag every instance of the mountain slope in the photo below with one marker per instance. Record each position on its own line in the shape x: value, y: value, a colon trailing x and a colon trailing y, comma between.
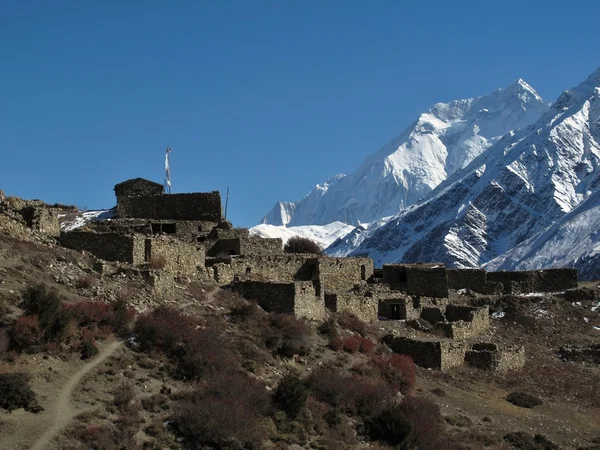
x: 572, y: 241
x: 518, y: 187
x: 443, y: 140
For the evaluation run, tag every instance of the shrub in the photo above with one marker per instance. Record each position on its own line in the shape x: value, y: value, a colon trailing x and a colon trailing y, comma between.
x: 88, y: 344
x: 523, y: 399
x: 354, y: 394
x: 123, y: 316
x: 206, y: 351
x: 85, y: 282
x: 123, y: 396
x: 414, y: 423
x: 26, y: 334
x: 299, y: 244
x: 352, y: 323
x: 398, y: 370
x: 15, y: 393
x: 42, y: 301
x: 4, y: 340
x: 291, y: 395
x: 226, y: 411
x: 329, y: 329
x: 357, y: 343
x: 525, y: 441
x: 87, y: 312
x: 157, y: 262
x: 336, y: 344
x: 164, y: 329
x: 287, y: 335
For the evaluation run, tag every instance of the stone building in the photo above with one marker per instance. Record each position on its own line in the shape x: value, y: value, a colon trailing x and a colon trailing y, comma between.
x: 527, y: 281
x: 246, y: 246
x: 473, y: 279
x: 429, y: 280
x: 429, y: 352
x: 300, y: 298
x: 494, y: 357
x: 171, y: 255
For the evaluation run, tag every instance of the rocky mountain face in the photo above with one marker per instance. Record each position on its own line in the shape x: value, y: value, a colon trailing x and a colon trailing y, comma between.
x: 441, y: 141
x: 524, y: 184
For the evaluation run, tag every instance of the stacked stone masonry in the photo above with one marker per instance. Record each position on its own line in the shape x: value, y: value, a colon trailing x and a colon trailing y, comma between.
x: 429, y: 280
x: 489, y: 356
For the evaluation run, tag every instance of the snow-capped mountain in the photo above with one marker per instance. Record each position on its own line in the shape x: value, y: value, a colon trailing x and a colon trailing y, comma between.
x: 443, y: 140
x: 324, y: 235
x: 572, y: 241
x: 517, y: 188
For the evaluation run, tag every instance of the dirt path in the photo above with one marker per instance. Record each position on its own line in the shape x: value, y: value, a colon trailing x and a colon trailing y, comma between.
x: 60, y: 414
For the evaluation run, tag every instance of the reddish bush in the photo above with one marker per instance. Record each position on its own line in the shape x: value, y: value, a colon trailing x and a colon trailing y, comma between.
x: 357, y: 343
x: 89, y: 312
x: 225, y: 411
x: 287, y: 335
x: 398, y: 370
x: 123, y: 316
x: 352, y: 323
x: 164, y: 329
x: 206, y: 351
x: 26, y: 334
x: 336, y: 344
x: 354, y: 394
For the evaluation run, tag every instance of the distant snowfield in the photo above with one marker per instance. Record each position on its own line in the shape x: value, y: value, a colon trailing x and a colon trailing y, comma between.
x: 325, y: 235
x: 83, y: 217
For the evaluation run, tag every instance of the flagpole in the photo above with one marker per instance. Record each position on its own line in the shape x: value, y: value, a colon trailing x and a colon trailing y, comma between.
x: 167, y: 186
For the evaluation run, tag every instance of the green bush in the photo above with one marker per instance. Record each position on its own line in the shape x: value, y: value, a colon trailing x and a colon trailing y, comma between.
x: 42, y: 301
x: 291, y: 395
x: 15, y: 393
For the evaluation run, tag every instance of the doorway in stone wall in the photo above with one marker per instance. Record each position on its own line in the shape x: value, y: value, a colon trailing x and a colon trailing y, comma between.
x: 395, y: 312
x: 363, y: 272
x: 147, y: 250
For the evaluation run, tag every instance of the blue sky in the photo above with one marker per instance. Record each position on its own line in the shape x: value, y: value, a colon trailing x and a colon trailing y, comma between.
x: 268, y: 97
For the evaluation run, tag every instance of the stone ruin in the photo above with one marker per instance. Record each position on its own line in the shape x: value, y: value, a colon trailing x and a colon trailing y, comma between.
x: 186, y: 235
x: 34, y: 214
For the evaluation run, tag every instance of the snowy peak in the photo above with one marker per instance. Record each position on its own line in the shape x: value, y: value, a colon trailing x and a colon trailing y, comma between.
x: 442, y: 140
x: 521, y: 185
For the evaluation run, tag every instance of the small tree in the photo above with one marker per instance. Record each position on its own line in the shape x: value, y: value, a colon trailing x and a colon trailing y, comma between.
x: 291, y: 395
x: 299, y: 244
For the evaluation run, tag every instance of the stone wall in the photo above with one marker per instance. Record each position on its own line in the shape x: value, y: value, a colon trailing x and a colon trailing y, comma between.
x: 363, y: 307
x: 489, y: 356
x: 137, y: 187
x: 428, y: 280
x: 298, y: 298
x: 431, y: 353
x: 301, y: 267
x: 42, y: 219
x: 179, y: 257
x: 341, y: 274
x: 107, y: 246
x: 256, y: 246
x: 548, y: 280
x: 200, y: 206
x: 473, y: 279
x: 247, y: 247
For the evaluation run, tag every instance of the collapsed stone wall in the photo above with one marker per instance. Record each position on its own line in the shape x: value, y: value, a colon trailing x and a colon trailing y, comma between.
x: 200, y: 206
x: 341, y: 274
x: 107, y: 246
x: 547, y: 280
x: 490, y: 356
x: 301, y: 267
x: 429, y: 280
x: 474, y: 279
